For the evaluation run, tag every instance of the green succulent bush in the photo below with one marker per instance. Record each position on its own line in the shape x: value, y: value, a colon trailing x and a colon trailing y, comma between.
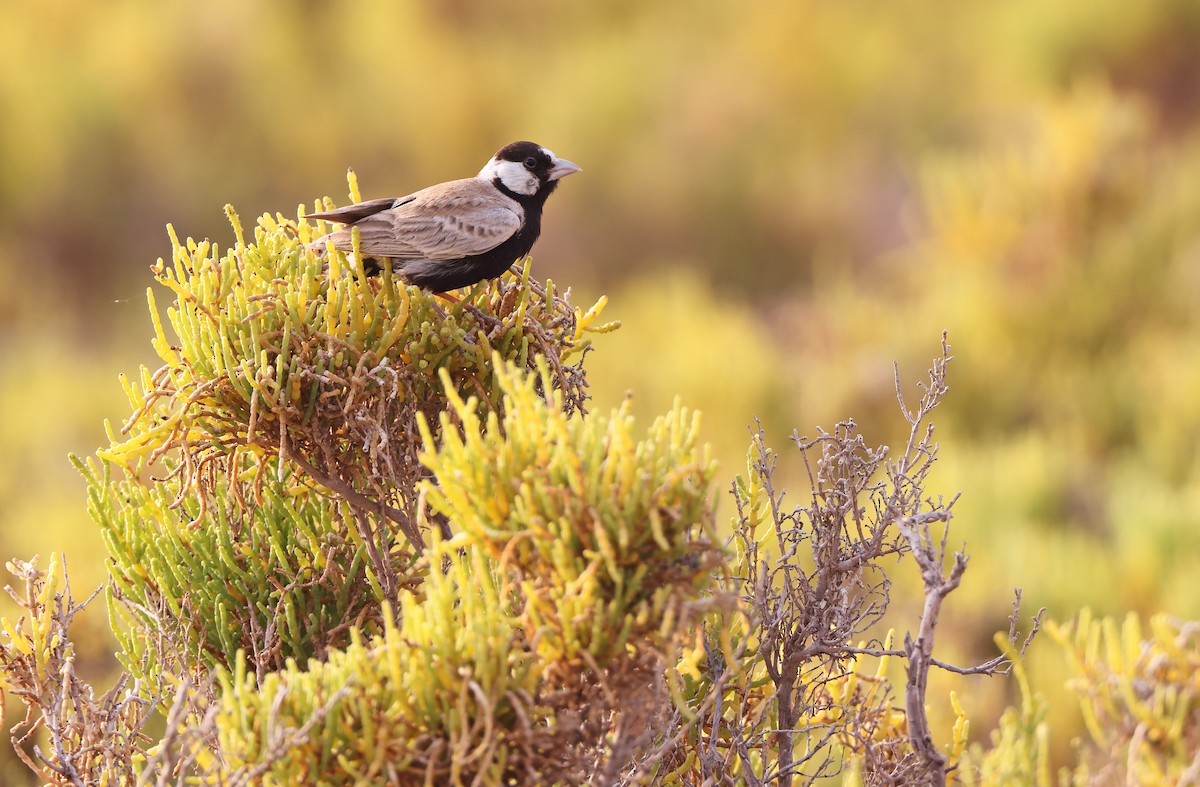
x: 267, y: 479
x: 354, y: 528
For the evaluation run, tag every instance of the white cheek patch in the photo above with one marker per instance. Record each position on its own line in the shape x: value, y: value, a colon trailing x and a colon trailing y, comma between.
x: 512, y: 174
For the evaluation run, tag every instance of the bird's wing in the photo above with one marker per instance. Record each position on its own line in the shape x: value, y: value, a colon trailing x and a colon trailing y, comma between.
x: 448, y: 221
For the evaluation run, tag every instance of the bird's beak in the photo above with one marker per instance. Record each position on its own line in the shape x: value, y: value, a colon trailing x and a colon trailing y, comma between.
x: 562, y: 168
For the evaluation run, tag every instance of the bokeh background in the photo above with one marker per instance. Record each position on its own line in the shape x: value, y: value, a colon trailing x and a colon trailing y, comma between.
x: 780, y: 199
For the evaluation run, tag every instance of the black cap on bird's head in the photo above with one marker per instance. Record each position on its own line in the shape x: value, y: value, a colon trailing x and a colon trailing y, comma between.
x: 526, y: 168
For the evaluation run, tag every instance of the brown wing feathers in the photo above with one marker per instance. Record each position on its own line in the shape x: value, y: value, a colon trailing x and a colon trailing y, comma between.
x: 444, y: 222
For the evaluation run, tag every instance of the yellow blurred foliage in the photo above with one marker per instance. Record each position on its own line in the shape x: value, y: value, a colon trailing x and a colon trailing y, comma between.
x: 781, y: 198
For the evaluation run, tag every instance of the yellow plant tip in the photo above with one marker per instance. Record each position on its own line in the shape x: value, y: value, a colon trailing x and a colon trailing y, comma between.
x: 595, y: 310
x: 334, y: 260
x: 352, y: 182
x: 232, y: 215
x: 690, y: 661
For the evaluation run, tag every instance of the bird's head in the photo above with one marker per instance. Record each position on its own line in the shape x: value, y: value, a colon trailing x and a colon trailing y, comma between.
x: 525, y: 168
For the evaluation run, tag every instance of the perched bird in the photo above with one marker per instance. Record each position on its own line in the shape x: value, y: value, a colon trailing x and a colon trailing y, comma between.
x: 457, y: 233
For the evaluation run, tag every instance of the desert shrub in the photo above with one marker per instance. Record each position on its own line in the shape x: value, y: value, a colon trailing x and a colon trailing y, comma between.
x: 244, y: 501
x: 268, y: 507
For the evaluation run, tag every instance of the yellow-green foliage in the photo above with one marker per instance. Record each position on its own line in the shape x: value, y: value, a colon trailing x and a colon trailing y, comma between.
x: 32, y: 636
x: 577, y: 545
x: 680, y: 337
x: 216, y: 575
x: 1139, y: 692
x: 591, y: 517
x: 1019, y: 754
x: 270, y: 341
x: 1140, y: 695
x: 289, y: 380
x: 446, y: 692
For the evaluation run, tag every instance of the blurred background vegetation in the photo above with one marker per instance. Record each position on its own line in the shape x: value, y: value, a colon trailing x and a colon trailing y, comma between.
x: 780, y: 199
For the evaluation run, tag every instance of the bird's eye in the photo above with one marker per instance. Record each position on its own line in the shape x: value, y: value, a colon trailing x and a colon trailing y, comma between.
x: 531, y: 163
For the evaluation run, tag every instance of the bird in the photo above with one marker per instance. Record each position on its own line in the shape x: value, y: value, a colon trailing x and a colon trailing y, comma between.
x: 458, y: 233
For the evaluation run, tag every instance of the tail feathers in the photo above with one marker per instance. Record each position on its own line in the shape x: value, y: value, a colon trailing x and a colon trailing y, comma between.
x: 356, y: 212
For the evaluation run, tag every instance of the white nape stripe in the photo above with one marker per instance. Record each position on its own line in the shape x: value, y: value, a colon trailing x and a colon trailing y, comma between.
x: 512, y: 174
